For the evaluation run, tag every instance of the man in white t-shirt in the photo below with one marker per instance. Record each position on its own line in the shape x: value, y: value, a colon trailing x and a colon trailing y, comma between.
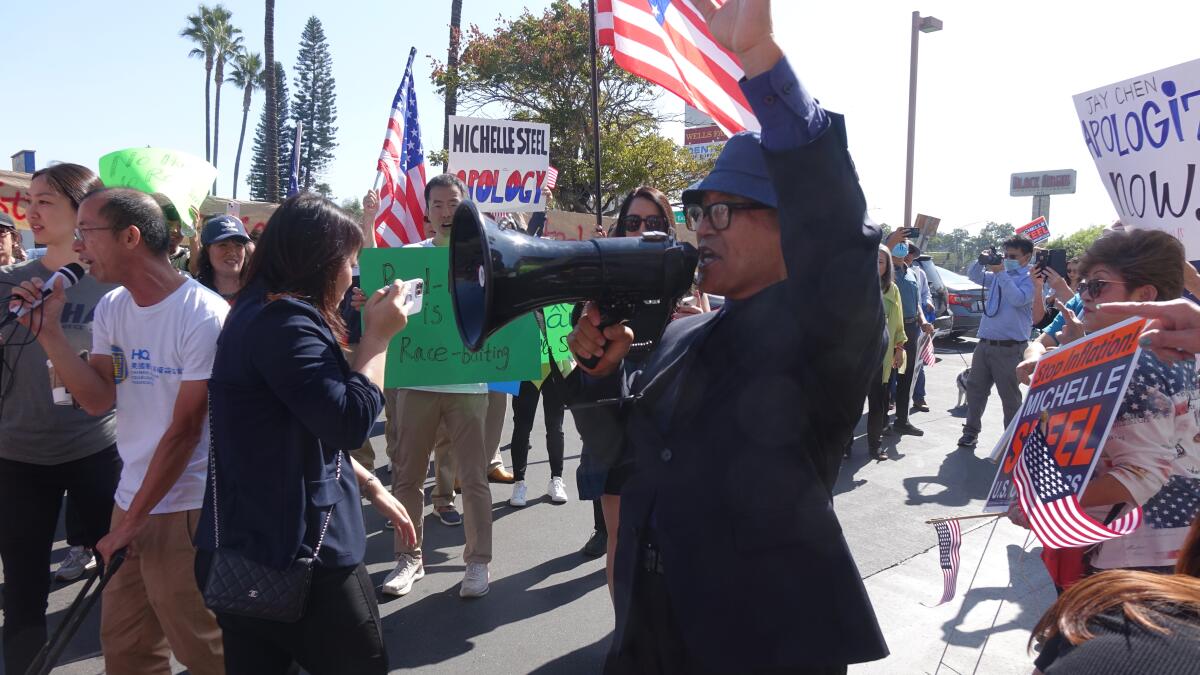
x: 460, y: 410
x: 153, y: 342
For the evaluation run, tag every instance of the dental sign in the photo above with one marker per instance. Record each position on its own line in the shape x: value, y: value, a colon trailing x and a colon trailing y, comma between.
x: 1144, y: 135
x: 503, y: 162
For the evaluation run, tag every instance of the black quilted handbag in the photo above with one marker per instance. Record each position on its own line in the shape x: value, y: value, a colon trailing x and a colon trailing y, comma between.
x: 237, y: 585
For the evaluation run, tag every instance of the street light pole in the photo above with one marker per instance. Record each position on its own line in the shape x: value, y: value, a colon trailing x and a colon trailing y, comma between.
x: 920, y: 25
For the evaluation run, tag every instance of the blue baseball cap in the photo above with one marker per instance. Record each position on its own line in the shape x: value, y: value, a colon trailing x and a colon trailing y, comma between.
x: 220, y: 228
x: 741, y: 170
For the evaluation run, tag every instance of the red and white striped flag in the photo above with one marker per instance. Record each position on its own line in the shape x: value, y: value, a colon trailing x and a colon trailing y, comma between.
x: 949, y: 535
x: 401, y: 216
x: 668, y: 43
x: 927, y: 355
x: 1051, y: 506
x: 551, y: 178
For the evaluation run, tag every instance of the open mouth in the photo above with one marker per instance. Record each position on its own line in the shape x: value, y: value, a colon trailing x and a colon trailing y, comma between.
x: 707, y: 255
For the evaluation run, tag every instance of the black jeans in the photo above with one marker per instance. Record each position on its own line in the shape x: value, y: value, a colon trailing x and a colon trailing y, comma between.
x: 524, y: 410
x: 31, y: 497
x: 340, y: 632
x: 653, y: 643
x: 877, y: 399
x: 904, y: 383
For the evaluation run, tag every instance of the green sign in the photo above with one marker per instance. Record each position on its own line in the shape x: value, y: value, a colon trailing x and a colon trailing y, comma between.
x: 430, y: 351
x: 558, y: 327
x: 184, y: 180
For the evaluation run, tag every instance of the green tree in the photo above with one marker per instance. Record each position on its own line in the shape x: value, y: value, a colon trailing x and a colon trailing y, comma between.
x: 247, y: 75
x: 537, y: 68
x: 264, y: 173
x: 991, y: 235
x: 315, y: 102
x: 353, y: 207
x: 273, y: 110
x: 199, y: 30
x: 227, y: 42
x: 1077, y: 242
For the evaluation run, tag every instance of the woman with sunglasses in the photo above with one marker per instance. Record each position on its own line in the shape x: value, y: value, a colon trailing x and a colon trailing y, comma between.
x: 49, y: 446
x: 1151, y: 457
x: 602, y: 468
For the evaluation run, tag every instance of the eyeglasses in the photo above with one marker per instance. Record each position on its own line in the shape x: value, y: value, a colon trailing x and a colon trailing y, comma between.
x: 719, y: 215
x: 653, y: 223
x: 79, y: 236
x: 1094, y: 287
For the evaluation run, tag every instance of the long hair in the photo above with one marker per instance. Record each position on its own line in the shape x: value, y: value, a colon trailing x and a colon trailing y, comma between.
x: 1140, y: 595
x: 889, y: 274
x: 300, y: 252
x: 646, y: 192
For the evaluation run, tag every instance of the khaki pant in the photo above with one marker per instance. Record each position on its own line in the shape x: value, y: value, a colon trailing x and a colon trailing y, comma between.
x: 443, y: 462
x: 152, y: 606
x: 419, y: 415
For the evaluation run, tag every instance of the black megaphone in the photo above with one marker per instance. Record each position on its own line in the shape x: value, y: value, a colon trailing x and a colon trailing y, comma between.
x: 498, y: 275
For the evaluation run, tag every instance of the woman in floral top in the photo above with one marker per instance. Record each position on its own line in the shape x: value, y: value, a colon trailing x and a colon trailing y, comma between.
x: 1152, y: 455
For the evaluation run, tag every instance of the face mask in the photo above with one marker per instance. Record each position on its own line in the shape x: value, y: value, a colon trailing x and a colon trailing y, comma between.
x: 900, y: 250
x: 1012, y: 265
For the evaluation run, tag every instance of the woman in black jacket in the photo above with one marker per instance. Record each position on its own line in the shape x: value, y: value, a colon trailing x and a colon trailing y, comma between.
x: 285, y: 409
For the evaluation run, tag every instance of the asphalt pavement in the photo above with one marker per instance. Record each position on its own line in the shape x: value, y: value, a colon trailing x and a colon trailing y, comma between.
x: 549, y: 611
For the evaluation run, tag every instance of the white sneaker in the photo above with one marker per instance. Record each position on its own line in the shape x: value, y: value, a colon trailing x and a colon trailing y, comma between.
x: 557, y: 490
x: 475, y: 581
x: 79, y: 561
x: 409, y: 568
x: 518, y: 495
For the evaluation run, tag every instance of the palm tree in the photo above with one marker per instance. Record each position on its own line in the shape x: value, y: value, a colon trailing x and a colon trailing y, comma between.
x: 272, y: 103
x: 227, y: 42
x: 198, y: 32
x: 452, y: 75
x: 247, y: 75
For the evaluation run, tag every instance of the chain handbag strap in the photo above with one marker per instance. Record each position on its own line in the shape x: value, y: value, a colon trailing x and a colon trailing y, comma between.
x: 212, y: 472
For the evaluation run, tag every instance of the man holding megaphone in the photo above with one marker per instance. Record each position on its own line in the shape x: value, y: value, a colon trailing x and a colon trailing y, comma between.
x: 730, y: 557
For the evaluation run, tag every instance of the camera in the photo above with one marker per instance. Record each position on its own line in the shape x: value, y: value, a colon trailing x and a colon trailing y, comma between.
x: 992, y: 257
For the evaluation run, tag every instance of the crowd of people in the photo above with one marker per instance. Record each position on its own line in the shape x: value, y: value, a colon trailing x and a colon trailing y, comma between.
x: 207, y: 409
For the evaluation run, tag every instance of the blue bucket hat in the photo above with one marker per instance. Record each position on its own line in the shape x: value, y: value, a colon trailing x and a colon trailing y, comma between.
x: 220, y: 228
x: 741, y: 170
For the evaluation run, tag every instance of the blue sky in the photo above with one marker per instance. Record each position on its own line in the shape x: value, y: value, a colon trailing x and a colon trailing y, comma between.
x: 994, y: 95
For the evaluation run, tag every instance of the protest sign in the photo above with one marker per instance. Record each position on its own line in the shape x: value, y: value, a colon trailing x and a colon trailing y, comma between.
x: 1080, y: 388
x: 1036, y: 231
x: 503, y: 162
x: 558, y: 327
x: 430, y: 351
x: 1143, y: 135
x: 184, y: 180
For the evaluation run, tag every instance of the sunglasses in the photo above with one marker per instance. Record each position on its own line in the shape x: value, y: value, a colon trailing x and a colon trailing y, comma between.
x: 1095, y: 287
x: 653, y: 223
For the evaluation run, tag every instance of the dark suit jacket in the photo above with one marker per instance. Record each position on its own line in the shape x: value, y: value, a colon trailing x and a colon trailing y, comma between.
x: 737, y: 424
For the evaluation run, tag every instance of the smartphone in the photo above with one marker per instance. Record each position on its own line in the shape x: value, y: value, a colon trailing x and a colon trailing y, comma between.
x: 1055, y: 259
x: 412, y: 296
x: 912, y: 232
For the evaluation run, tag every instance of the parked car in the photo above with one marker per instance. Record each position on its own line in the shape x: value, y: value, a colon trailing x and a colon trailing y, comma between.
x: 965, y: 298
x: 943, y: 325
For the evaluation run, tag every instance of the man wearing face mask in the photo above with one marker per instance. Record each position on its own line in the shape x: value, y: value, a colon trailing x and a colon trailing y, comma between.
x: 1003, y: 333
x: 908, y: 280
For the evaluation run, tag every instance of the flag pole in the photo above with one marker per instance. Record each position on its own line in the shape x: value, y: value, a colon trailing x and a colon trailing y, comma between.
x: 933, y: 521
x: 594, y: 49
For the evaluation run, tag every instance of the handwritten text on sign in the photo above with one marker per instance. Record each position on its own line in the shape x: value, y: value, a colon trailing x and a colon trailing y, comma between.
x: 1144, y: 134
x: 1080, y: 388
x: 430, y: 351
x: 502, y: 162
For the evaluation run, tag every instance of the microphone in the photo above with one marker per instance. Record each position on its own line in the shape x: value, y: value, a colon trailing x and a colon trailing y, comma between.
x: 70, y: 274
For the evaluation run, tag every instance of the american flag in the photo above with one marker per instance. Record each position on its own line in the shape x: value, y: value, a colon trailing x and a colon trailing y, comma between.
x: 551, y: 178
x: 400, y: 219
x: 1051, y: 506
x: 949, y: 535
x: 927, y: 355
x: 294, y: 177
x: 668, y: 43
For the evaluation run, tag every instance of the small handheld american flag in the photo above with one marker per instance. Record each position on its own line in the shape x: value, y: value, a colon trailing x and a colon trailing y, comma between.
x: 1051, y: 506
x: 949, y: 534
x: 401, y: 215
x: 551, y: 178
